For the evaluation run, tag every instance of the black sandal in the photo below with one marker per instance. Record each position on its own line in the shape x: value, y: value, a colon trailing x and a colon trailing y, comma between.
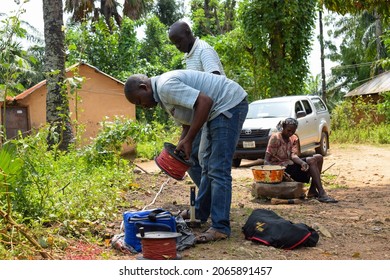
x: 327, y: 199
x: 312, y: 195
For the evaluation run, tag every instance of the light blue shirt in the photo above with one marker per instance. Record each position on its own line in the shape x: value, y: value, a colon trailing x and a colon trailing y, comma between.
x: 177, y: 91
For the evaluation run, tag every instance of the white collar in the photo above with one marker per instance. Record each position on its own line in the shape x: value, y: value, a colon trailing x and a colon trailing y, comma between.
x: 193, y: 48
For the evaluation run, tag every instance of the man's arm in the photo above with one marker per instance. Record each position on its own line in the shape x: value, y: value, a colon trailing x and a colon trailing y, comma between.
x: 202, y: 109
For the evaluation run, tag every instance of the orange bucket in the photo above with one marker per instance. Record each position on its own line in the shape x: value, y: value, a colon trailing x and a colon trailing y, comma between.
x: 268, y: 173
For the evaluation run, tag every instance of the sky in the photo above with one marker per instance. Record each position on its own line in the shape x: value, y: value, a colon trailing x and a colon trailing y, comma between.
x: 34, y: 16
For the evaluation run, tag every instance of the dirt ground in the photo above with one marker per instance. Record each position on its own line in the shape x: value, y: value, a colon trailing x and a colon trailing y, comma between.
x: 355, y: 228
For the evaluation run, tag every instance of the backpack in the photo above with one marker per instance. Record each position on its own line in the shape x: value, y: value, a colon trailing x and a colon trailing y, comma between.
x: 267, y: 228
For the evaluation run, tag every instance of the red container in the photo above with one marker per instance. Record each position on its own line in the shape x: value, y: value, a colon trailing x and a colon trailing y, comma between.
x: 172, y: 163
x: 268, y: 173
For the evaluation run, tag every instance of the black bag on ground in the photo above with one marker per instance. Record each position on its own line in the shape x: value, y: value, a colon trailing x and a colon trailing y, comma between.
x: 266, y: 227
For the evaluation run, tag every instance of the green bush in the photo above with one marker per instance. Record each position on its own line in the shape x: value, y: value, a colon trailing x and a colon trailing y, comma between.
x: 55, y: 186
x: 358, y: 121
x: 84, y: 183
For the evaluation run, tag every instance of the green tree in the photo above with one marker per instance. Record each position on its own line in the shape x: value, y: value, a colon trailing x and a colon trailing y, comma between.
x: 88, y: 9
x: 280, y: 33
x: 157, y: 49
x: 169, y: 11
x: 357, y: 52
x: 114, y: 51
x: 57, y: 104
x: 16, y: 71
x: 379, y: 10
x: 237, y: 56
x: 356, y: 6
x: 212, y: 17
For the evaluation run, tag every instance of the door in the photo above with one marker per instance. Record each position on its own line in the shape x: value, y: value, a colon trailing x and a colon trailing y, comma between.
x: 310, y: 123
x: 16, y: 120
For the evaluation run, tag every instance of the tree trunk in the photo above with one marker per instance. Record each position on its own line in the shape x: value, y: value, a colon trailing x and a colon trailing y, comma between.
x: 380, y: 48
x: 323, y: 91
x: 57, y: 104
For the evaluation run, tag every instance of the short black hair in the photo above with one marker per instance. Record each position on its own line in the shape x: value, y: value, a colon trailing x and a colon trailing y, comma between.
x: 133, y: 82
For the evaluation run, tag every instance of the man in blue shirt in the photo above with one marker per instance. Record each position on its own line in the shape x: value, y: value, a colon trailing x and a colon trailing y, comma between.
x: 195, y: 100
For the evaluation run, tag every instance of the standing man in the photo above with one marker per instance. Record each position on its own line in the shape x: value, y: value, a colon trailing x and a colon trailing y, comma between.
x: 219, y: 105
x: 200, y: 56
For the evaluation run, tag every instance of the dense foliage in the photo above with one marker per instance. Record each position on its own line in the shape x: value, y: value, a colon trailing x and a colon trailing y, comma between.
x: 357, y: 52
x: 358, y: 120
x: 280, y: 33
x: 69, y: 194
x: 357, y: 6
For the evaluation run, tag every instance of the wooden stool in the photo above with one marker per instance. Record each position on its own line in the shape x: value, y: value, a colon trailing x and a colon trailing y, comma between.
x: 283, y: 190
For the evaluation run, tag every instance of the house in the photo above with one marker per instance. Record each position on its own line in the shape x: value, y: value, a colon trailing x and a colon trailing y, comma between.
x: 372, y: 92
x: 100, y: 97
x: 373, y: 88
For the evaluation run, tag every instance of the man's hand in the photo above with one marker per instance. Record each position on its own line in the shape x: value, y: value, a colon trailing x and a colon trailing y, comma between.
x: 304, y: 166
x: 185, y: 147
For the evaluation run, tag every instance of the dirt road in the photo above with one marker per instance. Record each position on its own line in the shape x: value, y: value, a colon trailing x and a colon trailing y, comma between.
x: 357, y: 227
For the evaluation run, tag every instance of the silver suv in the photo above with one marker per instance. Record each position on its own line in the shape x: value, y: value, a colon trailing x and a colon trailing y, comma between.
x: 263, y: 116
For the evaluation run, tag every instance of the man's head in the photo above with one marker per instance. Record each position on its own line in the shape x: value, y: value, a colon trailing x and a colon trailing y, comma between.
x: 138, y: 90
x: 181, y: 36
x: 289, y: 126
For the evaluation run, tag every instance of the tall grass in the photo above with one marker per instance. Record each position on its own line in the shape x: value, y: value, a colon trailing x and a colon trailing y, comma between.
x: 360, y: 121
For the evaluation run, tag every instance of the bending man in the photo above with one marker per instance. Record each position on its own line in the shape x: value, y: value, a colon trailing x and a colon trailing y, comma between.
x: 219, y: 105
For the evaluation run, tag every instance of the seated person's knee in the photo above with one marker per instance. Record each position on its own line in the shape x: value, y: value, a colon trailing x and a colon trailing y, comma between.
x: 319, y: 158
x: 311, y: 160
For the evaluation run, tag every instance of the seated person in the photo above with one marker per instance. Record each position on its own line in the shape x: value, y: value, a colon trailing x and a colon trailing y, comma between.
x: 282, y: 150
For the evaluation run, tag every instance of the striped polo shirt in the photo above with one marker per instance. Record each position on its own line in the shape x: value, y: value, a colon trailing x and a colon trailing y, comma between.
x: 202, y: 57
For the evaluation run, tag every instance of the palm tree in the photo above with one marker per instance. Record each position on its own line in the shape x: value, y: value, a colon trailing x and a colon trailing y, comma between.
x: 57, y: 105
x: 82, y: 9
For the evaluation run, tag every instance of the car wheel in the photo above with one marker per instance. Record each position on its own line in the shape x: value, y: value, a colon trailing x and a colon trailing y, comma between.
x: 323, y: 148
x: 236, y: 162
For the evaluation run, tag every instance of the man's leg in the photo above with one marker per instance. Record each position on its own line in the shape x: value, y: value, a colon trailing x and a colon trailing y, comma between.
x: 195, y: 171
x: 314, y: 170
x: 215, y: 192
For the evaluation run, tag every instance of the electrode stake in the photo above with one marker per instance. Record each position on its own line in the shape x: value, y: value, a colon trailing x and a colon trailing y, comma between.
x: 192, y: 222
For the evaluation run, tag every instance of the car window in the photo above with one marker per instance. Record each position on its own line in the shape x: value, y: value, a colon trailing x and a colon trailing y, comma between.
x: 319, y: 104
x: 298, y: 107
x: 307, y: 106
x: 268, y: 110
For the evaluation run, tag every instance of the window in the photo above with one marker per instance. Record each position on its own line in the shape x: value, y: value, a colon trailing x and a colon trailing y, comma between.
x: 307, y: 106
x: 319, y: 104
x: 268, y: 110
x: 298, y: 107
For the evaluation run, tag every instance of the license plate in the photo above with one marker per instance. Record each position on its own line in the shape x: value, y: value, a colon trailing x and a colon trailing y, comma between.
x: 248, y: 144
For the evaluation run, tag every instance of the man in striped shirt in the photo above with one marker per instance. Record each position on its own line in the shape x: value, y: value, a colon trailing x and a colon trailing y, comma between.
x: 200, y: 56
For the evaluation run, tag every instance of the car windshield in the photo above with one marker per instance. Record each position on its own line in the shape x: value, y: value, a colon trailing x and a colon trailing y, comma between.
x: 268, y: 110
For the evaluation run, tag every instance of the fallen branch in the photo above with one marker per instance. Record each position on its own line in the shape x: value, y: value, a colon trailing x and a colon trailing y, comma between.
x: 328, y: 168
x: 141, y: 168
x: 24, y: 232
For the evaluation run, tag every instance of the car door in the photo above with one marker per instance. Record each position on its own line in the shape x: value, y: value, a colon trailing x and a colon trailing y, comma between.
x: 302, y: 129
x: 308, y: 124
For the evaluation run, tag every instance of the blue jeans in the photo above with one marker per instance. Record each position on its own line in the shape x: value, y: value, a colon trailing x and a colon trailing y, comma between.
x: 219, y: 140
x: 195, y: 171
